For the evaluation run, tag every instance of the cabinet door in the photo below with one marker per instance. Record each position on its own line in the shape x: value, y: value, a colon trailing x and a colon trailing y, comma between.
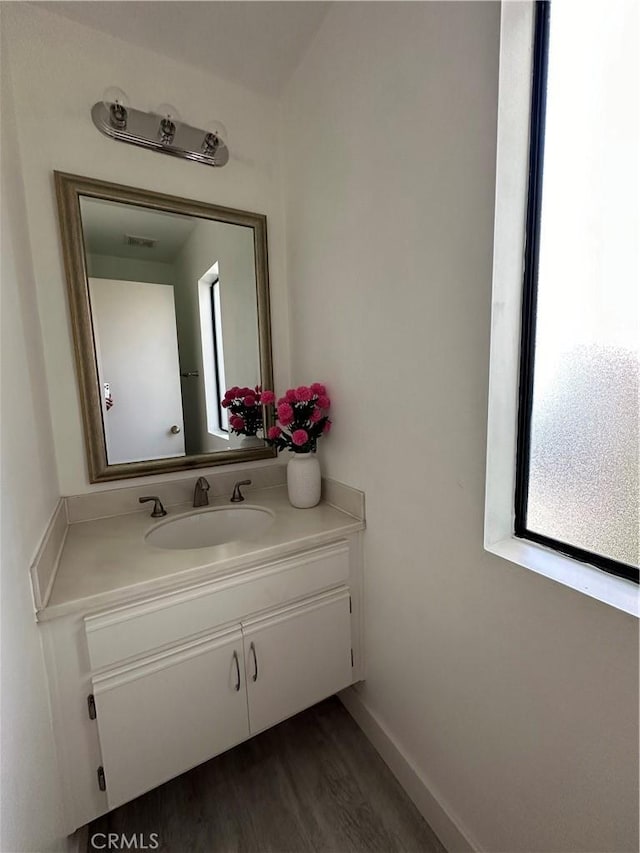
x: 164, y: 715
x: 296, y: 657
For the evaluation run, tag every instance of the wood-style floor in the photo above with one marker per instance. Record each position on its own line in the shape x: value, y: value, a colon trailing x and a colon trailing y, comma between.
x: 313, y: 783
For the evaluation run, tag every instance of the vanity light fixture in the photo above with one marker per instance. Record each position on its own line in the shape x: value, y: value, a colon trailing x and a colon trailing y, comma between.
x: 161, y: 130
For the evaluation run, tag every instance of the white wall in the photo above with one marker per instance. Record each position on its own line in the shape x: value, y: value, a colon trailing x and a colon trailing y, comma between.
x: 29, y: 785
x: 238, y: 306
x: 515, y: 698
x: 129, y: 269
x: 232, y: 247
x: 55, y: 89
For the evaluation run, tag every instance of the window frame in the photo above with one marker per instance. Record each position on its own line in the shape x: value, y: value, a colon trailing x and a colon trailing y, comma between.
x: 529, y: 307
x: 217, y: 350
x: 567, y: 576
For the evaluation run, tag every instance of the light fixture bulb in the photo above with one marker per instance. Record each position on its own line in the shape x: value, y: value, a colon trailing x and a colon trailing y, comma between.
x: 170, y: 112
x: 116, y: 101
x: 217, y: 128
x: 215, y: 135
x: 169, y: 121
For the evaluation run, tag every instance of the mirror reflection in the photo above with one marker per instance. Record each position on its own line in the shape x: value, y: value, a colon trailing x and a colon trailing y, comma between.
x: 175, y: 323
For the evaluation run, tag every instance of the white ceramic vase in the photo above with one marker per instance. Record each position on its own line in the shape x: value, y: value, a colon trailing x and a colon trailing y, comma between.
x: 303, y: 480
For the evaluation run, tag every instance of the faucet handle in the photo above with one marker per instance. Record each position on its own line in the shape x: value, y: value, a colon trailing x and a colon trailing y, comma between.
x: 158, y: 510
x: 237, y: 495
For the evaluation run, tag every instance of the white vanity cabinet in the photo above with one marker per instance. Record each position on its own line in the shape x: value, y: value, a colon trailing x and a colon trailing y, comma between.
x: 168, y: 713
x: 296, y: 657
x: 147, y: 689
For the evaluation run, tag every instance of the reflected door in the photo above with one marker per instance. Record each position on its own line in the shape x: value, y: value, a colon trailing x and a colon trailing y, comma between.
x: 134, y: 327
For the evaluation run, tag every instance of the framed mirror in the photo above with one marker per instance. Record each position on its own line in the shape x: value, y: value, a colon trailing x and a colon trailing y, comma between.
x: 169, y: 303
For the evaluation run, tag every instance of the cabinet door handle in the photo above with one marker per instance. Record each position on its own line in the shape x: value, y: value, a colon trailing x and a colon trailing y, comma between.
x: 237, y: 663
x: 252, y: 648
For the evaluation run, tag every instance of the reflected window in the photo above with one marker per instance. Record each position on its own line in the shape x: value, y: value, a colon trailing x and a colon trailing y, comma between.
x: 213, y: 351
x: 578, y: 444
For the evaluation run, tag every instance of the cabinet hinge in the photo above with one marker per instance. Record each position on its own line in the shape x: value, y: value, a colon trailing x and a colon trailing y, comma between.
x: 102, y: 782
x: 351, y: 657
x: 91, y: 705
x: 350, y: 605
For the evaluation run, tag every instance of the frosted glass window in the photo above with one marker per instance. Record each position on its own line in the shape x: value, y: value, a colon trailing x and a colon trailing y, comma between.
x: 583, y: 454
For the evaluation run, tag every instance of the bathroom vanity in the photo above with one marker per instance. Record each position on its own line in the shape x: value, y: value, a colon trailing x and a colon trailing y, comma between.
x: 161, y: 658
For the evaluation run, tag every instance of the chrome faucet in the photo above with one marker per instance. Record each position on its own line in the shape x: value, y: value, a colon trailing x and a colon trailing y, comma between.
x: 237, y: 495
x: 200, y: 496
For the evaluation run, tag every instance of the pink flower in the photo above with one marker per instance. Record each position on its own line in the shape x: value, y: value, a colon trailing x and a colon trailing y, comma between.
x: 237, y: 422
x: 303, y: 394
x: 274, y: 432
x: 316, y: 415
x: 242, y: 392
x: 318, y: 388
x: 323, y: 401
x: 282, y: 400
x: 327, y: 427
x: 299, y: 437
x: 285, y: 414
x: 250, y: 400
x: 290, y: 396
x: 225, y: 403
x: 267, y: 397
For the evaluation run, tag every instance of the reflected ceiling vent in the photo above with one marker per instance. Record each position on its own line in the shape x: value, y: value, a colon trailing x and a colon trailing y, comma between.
x: 143, y: 242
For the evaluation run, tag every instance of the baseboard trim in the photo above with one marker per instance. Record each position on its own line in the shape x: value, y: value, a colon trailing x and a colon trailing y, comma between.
x: 448, y: 830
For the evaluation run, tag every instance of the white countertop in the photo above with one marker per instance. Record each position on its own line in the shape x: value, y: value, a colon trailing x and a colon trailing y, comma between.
x: 107, y: 561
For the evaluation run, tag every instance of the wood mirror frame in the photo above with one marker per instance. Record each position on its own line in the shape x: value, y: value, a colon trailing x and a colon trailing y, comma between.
x: 69, y: 190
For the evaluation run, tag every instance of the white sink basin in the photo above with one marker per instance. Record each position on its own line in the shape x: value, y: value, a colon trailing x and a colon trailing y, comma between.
x: 213, y: 526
